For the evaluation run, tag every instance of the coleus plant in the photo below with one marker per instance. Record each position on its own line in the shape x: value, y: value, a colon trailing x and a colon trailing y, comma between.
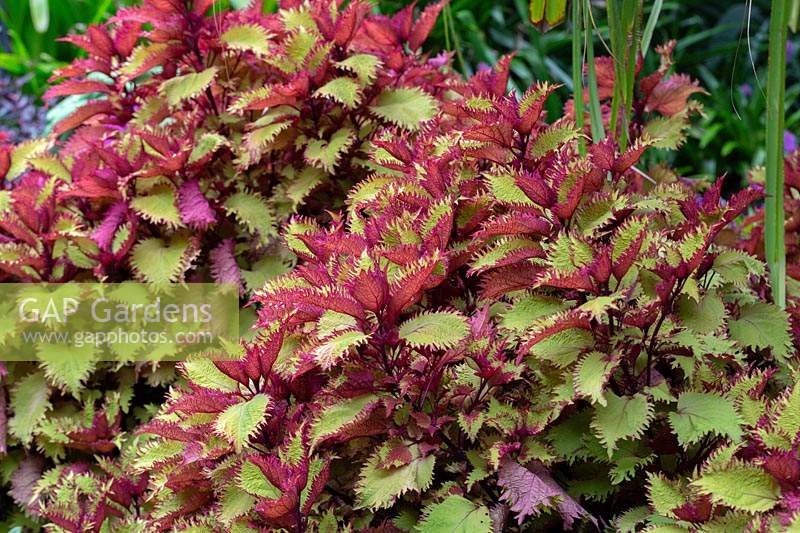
x: 661, y: 106
x: 746, y: 485
x: 203, y: 130
x: 752, y: 234
x: 207, y: 127
x: 498, y: 333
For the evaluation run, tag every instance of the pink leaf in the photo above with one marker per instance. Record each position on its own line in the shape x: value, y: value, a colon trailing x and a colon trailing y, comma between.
x: 529, y: 490
x: 195, y: 209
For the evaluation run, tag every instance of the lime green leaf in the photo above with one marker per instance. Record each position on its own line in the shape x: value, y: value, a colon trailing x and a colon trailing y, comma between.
x: 700, y: 413
x: 252, y: 211
x: 234, y: 503
x: 379, y: 488
x: 552, y: 138
x: 736, y: 267
x: 405, y: 107
x: 667, y: 133
x: 22, y: 154
x: 741, y: 486
x: 247, y: 37
x: 326, y: 154
x: 181, y: 88
x: 204, y: 372
x: 68, y: 365
x: 704, y: 316
x: 207, y: 144
x: 336, y: 417
x: 253, y: 481
x: 621, y: 418
x: 333, y: 349
x: 364, y: 66
x: 528, y: 308
x: 665, y: 495
x: 343, y: 90
x: 158, y: 206
x: 157, y: 452
x: 456, y: 514
x: 240, y: 421
x: 762, y: 325
x: 591, y: 376
x: 159, y: 262
x: 439, y: 329
x: 29, y: 403
x: 505, y: 189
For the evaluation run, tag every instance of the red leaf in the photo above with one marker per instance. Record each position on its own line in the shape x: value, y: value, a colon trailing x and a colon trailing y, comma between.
x: 82, y: 114
x: 425, y: 23
x: 670, y: 96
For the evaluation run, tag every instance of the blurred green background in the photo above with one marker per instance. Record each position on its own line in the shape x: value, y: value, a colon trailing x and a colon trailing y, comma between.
x: 720, y: 43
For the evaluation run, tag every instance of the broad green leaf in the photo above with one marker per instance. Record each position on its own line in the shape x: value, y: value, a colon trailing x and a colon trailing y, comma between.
x: 405, y: 107
x: 623, y: 417
x: 701, y: 413
x: 364, y: 66
x: 22, y: 154
x: 736, y: 267
x: 564, y: 347
x: 704, y: 316
x: 552, y: 138
x: 788, y: 412
x: 158, y: 206
x: 29, y: 403
x: 741, y: 486
x: 333, y: 349
x: 438, y: 329
x: 67, y: 366
x: 207, y: 144
x: 343, y: 90
x: 336, y: 417
x: 665, y: 495
x: 667, y: 133
x: 591, y: 376
x: 159, y: 262
x: 253, y: 481
x: 545, y: 14
x: 204, y: 372
x: 143, y: 58
x: 456, y: 514
x: 240, y: 421
x: 234, y: 503
x: 157, y: 452
x: 528, y: 308
x: 505, y: 189
x: 182, y: 88
x: 500, y: 250
x: 252, y: 211
x: 247, y: 37
x: 326, y: 154
x: 762, y: 325
x: 379, y: 488
x: 51, y: 165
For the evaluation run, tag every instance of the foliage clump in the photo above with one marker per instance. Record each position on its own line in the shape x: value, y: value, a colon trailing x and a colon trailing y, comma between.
x: 493, y: 331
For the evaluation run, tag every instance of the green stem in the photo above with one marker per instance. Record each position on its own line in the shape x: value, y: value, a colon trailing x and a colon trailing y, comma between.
x: 577, y: 70
x: 775, y: 251
x: 595, y: 116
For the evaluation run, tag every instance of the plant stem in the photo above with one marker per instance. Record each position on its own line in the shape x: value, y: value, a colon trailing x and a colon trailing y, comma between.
x: 577, y: 70
x: 596, y: 118
x: 775, y: 252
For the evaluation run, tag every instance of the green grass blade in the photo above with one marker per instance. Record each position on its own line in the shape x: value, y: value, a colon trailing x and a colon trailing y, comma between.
x: 596, y: 118
x: 577, y: 69
x: 650, y: 27
x: 775, y: 251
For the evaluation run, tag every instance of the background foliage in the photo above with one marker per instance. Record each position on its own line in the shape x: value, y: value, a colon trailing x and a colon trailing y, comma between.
x: 722, y: 44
